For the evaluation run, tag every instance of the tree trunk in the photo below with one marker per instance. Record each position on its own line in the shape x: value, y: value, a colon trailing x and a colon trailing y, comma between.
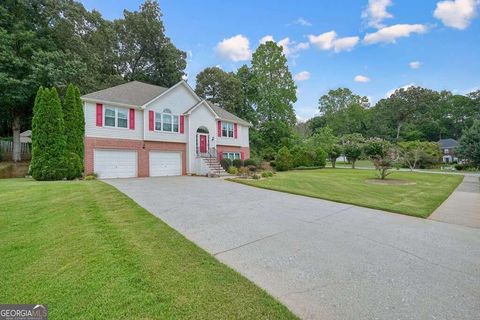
x: 16, y: 153
x: 333, y: 163
x: 398, y: 130
x: 353, y: 164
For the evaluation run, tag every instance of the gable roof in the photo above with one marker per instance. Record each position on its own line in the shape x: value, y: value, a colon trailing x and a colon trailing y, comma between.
x: 447, y: 143
x: 227, y: 116
x: 134, y: 93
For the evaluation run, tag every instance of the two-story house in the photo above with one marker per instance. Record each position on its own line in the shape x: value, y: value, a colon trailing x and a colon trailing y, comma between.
x: 143, y: 130
x: 447, y: 147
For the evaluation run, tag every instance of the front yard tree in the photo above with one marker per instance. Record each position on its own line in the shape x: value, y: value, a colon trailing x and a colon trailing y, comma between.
x: 145, y: 53
x: 352, y: 147
x: 48, y: 137
x: 220, y: 87
x: 74, y: 121
x: 469, y: 145
x: 275, y: 92
x: 334, y: 152
x: 381, y: 153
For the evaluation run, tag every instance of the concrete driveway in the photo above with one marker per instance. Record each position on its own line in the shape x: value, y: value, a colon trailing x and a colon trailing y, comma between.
x: 322, y: 259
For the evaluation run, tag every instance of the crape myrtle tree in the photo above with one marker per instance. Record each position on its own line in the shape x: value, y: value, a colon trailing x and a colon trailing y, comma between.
x: 48, y: 137
x: 352, y: 145
x: 382, y: 154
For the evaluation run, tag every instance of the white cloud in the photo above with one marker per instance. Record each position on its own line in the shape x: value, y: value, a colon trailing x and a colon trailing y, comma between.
x: 329, y: 41
x: 290, y: 48
x: 415, y: 64
x: 456, y: 13
x: 236, y: 48
x: 302, y: 76
x: 303, y: 22
x: 345, y: 44
x: 266, y: 38
x: 361, y: 78
x: 392, y: 33
x: 389, y: 93
x: 376, y: 12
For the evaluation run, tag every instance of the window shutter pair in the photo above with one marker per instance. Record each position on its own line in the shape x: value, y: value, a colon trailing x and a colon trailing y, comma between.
x: 99, y: 120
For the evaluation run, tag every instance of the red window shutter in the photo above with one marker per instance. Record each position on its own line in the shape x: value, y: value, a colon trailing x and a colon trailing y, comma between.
x: 242, y: 155
x: 220, y: 155
x: 151, y: 116
x: 182, y: 124
x: 219, y: 125
x: 235, y: 130
x: 132, y: 119
x: 99, y: 114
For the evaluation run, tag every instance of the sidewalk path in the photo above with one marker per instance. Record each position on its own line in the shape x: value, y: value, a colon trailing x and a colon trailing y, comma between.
x: 463, y: 205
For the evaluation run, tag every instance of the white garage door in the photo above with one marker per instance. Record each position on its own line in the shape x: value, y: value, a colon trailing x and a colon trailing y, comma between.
x: 115, y: 163
x: 165, y: 164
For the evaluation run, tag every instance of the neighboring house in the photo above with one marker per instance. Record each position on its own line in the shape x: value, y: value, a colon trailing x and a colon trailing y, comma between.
x: 26, y: 136
x: 142, y: 130
x: 447, y: 147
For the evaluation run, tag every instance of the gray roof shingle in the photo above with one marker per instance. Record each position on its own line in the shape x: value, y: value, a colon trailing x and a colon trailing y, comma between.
x: 134, y: 93
x: 225, y: 115
x: 448, y: 143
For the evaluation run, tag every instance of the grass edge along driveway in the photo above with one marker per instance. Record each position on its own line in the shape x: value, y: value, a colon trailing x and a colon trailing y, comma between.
x: 349, y: 186
x: 89, y: 251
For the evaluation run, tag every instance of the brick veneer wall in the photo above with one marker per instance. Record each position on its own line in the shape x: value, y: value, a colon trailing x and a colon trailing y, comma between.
x: 245, y: 150
x: 142, y: 147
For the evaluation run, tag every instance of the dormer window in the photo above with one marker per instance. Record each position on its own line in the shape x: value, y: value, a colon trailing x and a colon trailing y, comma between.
x: 165, y: 121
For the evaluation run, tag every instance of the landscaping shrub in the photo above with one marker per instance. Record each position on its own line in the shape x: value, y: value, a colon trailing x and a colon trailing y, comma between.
x: 251, y: 168
x: 268, y: 154
x: 233, y: 170
x: 243, y: 171
x: 226, y: 163
x: 237, y: 163
x: 419, y: 154
x: 267, y: 174
x: 284, y: 160
x: 320, y: 157
x: 256, y: 176
x: 469, y: 145
x: 250, y: 162
x: 303, y: 156
x: 48, y: 137
x: 90, y: 177
x: 460, y: 166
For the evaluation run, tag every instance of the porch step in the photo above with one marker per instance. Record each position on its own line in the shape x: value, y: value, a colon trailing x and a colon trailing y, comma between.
x: 215, y: 169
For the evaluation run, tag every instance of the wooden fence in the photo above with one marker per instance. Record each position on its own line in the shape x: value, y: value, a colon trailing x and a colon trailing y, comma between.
x: 6, y: 149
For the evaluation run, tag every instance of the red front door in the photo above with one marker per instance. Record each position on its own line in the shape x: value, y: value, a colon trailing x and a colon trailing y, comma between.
x: 203, y: 143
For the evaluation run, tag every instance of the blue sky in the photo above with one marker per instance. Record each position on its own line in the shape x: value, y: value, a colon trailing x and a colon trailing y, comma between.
x: 369, y: 46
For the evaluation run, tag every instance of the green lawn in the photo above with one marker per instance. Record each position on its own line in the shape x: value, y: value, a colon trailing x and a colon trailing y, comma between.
x: 349, y: 186
x: 90, y: 252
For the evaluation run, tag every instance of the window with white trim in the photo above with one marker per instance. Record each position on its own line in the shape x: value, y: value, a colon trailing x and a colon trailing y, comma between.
x: 115, y: 117
x: 227, y: 129
x: 231, y: 155
x: 166, y: 122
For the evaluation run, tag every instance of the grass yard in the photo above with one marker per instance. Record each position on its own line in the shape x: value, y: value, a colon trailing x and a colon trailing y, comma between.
x: 350, y: 186
x: 90, y: 252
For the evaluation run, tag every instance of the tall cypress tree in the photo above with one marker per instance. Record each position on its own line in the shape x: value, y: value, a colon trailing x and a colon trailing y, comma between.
x: 73, y: 119
x: 48, y: 157
x: 80, y: 125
